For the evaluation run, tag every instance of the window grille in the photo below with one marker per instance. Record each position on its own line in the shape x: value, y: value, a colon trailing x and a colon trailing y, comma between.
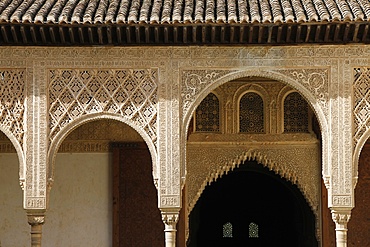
x: 227, y: 230
x: 207, y: 117
x: 253, y: 230
x: 251, y: 114
x: 295, y: 113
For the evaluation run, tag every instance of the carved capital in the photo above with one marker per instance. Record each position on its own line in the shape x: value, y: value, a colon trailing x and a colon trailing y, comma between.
x: 170, y: 218
x: 36, y: 218
x: 341, y: 217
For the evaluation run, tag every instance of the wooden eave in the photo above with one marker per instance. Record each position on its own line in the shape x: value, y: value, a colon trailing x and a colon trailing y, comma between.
x: 34, y: 34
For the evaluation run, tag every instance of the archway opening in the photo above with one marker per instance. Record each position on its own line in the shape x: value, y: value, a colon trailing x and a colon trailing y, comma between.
x: 14, y: 229
x: 103, y: 192
x: 255, y: 118
x: 252, y: 206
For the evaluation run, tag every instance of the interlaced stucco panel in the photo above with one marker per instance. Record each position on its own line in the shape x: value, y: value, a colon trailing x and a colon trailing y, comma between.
x: 131, y: 93
x: 12, y: 102
x: 361, y: 102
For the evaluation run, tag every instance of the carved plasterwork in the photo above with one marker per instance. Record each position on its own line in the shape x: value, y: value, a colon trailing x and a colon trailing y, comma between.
x: 177, y: 65
x: 316, y: 81
x: 131, y: 93
x: 12, y: 99
x: 361, y: 104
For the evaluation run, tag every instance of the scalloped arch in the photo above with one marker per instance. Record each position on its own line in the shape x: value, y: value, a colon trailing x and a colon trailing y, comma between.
x: 282, y: 171
x: 63, y: 133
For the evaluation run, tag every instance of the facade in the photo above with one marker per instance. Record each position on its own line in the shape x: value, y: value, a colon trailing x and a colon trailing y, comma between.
x: 208, y: 86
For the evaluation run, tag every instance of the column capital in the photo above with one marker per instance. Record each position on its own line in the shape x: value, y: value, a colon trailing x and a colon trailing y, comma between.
x: 170, y: 217
x: 35, y: 217
x: 341, y: 216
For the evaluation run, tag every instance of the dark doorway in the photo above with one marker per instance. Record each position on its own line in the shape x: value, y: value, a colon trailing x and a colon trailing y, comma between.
x: 252, y: 206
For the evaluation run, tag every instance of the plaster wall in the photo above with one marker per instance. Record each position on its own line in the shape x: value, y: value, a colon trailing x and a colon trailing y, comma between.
x: 80, y: 206
x: 14, y: 229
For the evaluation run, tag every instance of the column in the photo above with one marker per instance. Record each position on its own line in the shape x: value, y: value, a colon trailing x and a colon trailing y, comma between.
x: 36, y: 220
x: 341, y: 217
x: 170, y: 220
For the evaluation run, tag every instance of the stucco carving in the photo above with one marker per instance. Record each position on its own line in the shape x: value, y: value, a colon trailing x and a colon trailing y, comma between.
x: 12, y: 99
x: 193, y: 83
x: 127, y: 92
x: 361, y: 102
x: 316, y: 81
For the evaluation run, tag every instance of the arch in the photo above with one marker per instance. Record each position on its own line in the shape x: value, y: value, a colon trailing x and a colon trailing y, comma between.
x: 283, y: 172
x: 263, y: 73
x: 20, y: 154
x: 63, y: 133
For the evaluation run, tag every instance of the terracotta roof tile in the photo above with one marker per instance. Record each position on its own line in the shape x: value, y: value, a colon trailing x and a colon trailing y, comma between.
x: 181, y: 11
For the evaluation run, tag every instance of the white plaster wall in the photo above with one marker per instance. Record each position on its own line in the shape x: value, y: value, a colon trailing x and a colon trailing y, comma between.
x: 80, y: 206
x: 14, y: 228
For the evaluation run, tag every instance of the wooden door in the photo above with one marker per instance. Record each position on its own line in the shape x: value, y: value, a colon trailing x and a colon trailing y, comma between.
x: 136, y: 217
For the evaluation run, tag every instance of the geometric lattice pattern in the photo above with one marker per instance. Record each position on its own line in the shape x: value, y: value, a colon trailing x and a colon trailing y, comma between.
x: 131, y: 93
x: 361, y: 93
x: 208, y: 114
x: 295, y: 113
x: 227, y: 230
x: 251, y: 114
x: 253, y: 230
x: 12, y: 97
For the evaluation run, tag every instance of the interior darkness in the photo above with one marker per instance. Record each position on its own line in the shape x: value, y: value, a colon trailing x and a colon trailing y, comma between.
x: 252, y: 193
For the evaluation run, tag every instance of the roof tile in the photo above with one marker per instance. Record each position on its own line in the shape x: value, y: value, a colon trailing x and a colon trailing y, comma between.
x: 182, y: 11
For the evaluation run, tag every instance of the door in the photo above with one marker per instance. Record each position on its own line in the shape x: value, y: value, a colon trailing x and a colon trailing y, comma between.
x: 136, y: 217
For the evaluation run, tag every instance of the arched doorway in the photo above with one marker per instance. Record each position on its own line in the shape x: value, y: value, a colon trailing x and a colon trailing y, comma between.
x: 252, y: 206
x: 83, y: 207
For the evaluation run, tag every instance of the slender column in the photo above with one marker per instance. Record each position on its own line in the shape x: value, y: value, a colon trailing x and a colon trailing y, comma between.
x: 170, y: 220
x: 36, y: 220
x: 341, y: 218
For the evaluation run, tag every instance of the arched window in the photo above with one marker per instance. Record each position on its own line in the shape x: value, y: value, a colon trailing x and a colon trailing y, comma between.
x: 208, y: 114
x: 251, y: 115
x: 295, y: 113
x: 227, y: 230
x: 253, y: 230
